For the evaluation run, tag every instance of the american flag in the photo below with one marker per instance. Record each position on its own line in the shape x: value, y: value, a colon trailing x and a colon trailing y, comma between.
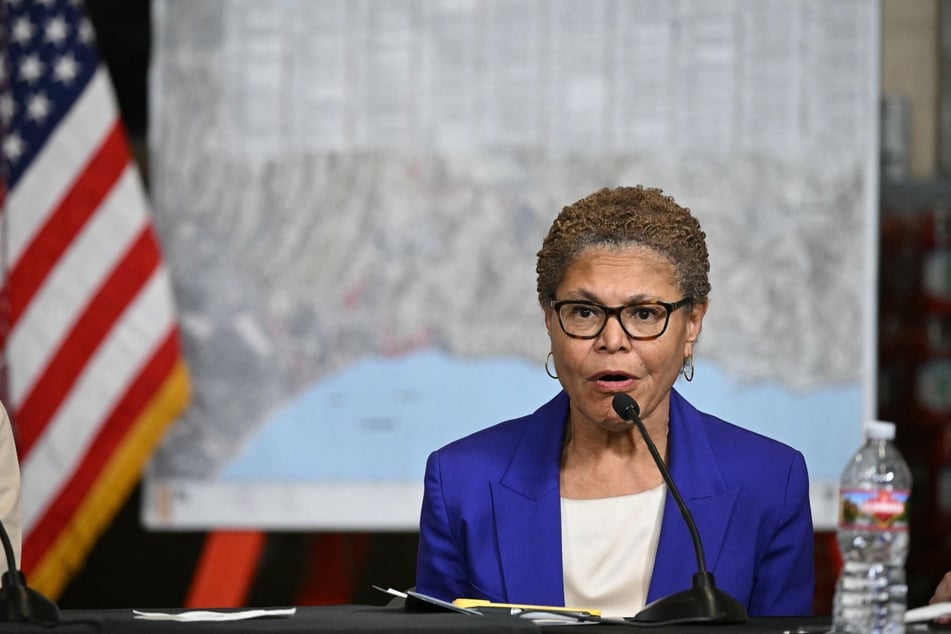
x: 93, y: 370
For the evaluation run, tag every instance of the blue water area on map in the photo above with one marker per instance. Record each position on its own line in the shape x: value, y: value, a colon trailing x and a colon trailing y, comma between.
x: 380, y: 418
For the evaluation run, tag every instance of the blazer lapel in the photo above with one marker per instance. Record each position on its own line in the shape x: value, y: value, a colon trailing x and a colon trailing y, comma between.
x: 527, y: 506
x: 695, y: 472
x: 529, y: 534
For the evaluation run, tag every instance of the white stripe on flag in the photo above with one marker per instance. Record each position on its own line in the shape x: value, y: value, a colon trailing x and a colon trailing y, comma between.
x: 91, y: 257
x: 55, y: 168
x: 130, y: 345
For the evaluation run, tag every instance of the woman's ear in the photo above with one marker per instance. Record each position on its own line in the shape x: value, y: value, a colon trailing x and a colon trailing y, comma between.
x: 695, y: 321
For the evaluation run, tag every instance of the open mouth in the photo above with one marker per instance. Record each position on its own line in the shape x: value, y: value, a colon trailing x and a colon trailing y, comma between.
x: 613, y: 379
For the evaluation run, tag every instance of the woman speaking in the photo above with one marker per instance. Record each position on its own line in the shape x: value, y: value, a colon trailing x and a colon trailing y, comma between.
x: 566, y: 506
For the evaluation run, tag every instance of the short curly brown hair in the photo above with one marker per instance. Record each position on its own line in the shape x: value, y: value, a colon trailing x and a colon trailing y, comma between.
x: 621, y: 217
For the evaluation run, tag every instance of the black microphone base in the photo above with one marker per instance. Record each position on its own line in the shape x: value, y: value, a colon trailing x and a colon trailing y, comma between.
x: 19, y: 602
x: 702, y: 603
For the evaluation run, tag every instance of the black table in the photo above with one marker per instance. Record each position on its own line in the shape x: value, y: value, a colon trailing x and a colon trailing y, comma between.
x: 350, y: 619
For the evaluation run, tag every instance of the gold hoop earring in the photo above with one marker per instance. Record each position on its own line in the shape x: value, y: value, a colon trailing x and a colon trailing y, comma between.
x: 547, y: 371
x: 687, y: 369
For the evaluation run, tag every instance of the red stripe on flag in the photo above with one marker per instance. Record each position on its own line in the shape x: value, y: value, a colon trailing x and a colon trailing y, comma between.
x: 91, y: 328
x: 112, y: 432
x: 90, y: 188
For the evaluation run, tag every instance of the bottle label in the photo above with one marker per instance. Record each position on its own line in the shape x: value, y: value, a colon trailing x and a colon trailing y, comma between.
x: 874, y: 510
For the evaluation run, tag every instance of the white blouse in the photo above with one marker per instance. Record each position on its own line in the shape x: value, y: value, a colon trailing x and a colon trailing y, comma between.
x: 608, y: 547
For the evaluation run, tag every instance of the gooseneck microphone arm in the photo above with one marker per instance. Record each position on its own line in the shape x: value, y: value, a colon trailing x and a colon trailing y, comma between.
x: 7, y: 548
x: 703, y: 602
x: 629, y: 410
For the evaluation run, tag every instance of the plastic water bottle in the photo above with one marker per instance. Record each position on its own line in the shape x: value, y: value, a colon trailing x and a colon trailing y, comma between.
x: 871, y: 593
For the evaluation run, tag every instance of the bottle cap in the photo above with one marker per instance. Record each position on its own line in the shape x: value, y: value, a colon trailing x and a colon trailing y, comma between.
x: 880, y: 430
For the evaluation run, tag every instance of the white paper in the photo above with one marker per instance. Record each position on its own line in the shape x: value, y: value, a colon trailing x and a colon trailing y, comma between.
x: 211, y: 615
x: 392, y: 591
x: 928, y: 612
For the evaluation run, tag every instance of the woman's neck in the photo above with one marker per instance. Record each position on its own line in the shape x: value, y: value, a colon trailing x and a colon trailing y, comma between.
x: 597, y: 463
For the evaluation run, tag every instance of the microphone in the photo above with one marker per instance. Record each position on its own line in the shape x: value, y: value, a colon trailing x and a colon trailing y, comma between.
x: 703, y: 602
x: 19, y: 602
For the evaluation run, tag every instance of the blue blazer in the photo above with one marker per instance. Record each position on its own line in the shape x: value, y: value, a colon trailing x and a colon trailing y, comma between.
x: 490, y: 526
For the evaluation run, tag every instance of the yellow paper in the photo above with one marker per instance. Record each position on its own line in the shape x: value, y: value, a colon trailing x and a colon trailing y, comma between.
x: 481, y: 603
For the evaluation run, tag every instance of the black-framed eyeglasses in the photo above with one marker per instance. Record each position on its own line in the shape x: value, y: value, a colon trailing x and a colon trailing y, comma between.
x: 640, y: 320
